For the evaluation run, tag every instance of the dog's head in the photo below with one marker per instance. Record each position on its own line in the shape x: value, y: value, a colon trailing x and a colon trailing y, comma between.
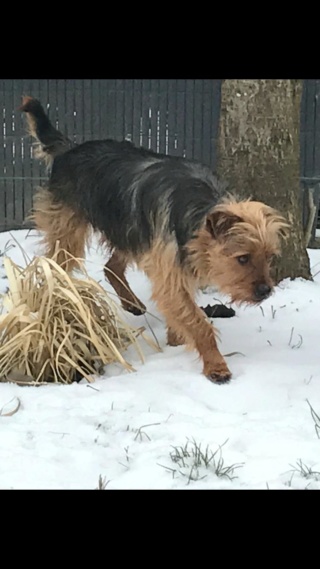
x: 235, y: 248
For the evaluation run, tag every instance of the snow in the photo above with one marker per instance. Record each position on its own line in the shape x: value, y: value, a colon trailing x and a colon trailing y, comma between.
x: 131, y: 428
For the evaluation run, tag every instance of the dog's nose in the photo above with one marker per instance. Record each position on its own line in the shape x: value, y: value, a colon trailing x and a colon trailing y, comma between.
x: 262, y: 291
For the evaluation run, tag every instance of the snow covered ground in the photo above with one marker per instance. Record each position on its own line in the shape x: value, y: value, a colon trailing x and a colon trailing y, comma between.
x: 165, y: 425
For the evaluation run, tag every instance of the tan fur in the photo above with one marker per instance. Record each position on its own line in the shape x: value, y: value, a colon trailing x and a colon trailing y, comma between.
x: 257, y: 233
x: 62, y: 228
x: 174, y: 290
x: 261, y: 224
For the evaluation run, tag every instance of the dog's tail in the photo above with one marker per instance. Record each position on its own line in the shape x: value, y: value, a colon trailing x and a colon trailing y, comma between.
x: 51, y: 141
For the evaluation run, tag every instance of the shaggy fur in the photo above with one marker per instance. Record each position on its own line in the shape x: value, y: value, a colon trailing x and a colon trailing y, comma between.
x: 169, y: 216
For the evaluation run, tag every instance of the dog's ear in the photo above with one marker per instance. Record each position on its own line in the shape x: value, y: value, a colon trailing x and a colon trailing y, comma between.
x: 279, y: 222
x: 219, y: 221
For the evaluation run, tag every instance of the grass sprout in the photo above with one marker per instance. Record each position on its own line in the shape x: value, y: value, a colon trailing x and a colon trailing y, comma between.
x: 305, y: 471
x: 192, y: 462
x: 102, y: 483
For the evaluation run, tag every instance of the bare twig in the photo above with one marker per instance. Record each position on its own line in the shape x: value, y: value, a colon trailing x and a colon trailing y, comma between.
x: 140, y: 432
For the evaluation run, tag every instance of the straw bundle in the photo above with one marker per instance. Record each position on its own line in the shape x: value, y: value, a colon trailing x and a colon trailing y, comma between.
x: 58, y: 326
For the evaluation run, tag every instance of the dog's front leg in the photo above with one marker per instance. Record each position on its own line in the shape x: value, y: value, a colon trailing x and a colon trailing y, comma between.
x: 186, y: 320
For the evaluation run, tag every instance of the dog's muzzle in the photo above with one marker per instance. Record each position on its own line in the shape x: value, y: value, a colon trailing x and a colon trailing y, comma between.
x: 262, y: 291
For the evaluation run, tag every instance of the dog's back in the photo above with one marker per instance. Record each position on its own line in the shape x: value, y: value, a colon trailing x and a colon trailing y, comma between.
x: 132, y: 194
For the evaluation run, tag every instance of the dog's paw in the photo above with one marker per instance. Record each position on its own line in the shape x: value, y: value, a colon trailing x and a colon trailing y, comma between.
x: 173, y: 339
x: 220, y: 374
x: 220, y: 379
x: 137, y: 310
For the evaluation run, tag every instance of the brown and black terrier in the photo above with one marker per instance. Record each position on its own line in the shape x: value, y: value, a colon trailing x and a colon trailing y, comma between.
x: 165, y: 213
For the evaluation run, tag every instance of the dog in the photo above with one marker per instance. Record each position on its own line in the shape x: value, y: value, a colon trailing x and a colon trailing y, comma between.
x: 169, y: 215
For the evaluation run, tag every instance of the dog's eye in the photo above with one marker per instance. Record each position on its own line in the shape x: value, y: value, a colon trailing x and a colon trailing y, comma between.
x: 243, y: 259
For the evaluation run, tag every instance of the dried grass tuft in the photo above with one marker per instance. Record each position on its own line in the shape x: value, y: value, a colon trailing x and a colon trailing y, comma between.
x: 58, y: 326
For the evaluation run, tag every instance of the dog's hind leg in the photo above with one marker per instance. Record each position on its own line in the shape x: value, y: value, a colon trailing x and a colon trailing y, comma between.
x: 64, y: 231
x: 114, y: 271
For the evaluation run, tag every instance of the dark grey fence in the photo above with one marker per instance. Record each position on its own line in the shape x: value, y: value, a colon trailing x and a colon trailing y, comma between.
x: 174, y: 116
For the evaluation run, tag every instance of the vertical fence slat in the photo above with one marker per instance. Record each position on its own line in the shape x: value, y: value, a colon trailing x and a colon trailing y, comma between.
x: 72, y: 96
x: 197, y: 119
x: 309, y: 128
x: 153, y: 113
x: 310, y: 146
x: 316, y: 128
x: 189, y: 117
x: 171, y: 116
x: 18, y: 168
x: 145, y: 112
x: 44, y: 93
x: 180, y: 118
x: 104, y: 119
x: 61, y: 106
x: 163, y: 124
x: 9, y: 165
x: 215, y: 114
x: 69, y: 123
x: 78, y: 102
x: 96, y: 135
x: 111, y: 107
x: 137, y: 97
x: 303, y: 129
x: 87, y: 109
x: 206, y: 120
x: 26, y: 88
x: 35, y: 88
x: 119, y: 131
x: 3, y: 182
x: 128, y: 109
